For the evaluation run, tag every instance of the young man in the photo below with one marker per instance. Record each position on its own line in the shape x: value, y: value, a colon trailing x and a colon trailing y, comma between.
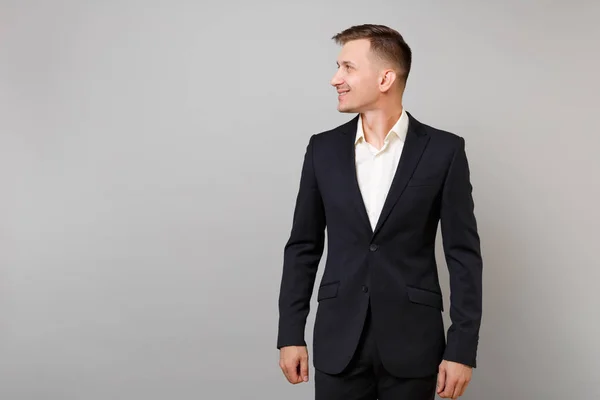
x: 380, y: 183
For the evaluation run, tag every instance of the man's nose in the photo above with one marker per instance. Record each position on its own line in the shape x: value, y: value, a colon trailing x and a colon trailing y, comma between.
x: 336, y: 80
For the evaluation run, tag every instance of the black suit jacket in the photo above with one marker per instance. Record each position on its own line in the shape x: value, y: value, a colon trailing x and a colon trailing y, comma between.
x: 392, y: 266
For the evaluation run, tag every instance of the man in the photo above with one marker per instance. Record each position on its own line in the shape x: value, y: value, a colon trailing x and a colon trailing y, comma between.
x: 380, y: 183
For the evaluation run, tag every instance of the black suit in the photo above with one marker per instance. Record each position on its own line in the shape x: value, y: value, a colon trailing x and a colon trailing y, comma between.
x: 391, y: 270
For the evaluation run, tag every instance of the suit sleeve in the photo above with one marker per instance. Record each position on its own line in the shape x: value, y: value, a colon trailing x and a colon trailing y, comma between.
x: 463, y: 257
x: 301, y: 256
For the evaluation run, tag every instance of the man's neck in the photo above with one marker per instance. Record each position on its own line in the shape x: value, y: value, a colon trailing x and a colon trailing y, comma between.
x: 376, y: 124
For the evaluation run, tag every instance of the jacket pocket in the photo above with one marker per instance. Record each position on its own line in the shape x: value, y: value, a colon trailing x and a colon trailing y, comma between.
x: 425, y: 297
x: 328, y: 290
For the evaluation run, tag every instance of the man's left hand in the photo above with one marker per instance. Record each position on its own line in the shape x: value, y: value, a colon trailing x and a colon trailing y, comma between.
x: 453, y: 379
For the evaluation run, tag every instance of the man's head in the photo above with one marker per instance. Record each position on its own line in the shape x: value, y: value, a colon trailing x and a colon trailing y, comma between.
x: 373, y: 66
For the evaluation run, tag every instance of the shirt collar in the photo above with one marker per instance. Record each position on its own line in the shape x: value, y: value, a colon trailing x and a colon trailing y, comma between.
x: 400, y: 128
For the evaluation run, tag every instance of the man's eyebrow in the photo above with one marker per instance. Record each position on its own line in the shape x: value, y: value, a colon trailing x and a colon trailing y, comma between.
x: 346, y: 63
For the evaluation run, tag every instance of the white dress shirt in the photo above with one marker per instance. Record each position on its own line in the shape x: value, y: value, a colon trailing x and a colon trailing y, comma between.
x: 375, y: 169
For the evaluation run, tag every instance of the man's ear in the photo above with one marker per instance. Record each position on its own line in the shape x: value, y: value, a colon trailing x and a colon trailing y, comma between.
x: 388, y: 78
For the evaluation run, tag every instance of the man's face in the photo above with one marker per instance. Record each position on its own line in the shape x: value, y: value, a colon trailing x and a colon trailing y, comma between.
x: 356, y: 79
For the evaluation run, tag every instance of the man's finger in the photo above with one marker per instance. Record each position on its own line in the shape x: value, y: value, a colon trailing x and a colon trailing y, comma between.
x: 441, y: 380
x: 457, y: 390
x: 449, y: 389
x: 304, y: 369
x: 292, y: 370
x: 283, y: 368
x: 464, y: 387
x: 285, y: 372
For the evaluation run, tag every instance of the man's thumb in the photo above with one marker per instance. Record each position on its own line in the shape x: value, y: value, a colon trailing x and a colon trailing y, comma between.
x: 304, y: 369
x: 441, y: 381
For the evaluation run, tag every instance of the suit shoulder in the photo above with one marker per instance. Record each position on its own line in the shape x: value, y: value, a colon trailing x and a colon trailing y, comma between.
x: 443, y: 137
x: 441, y: 134
x: 333, y: 133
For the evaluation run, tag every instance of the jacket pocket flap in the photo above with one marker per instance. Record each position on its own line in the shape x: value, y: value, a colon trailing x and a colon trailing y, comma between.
x: 426, y: 297
x: 328, y: 290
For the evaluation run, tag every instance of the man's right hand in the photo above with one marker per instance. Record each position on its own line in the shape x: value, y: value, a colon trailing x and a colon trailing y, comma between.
x: 293, y: 361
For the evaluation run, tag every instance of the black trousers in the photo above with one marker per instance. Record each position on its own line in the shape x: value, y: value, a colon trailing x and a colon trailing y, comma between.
x: 365, y: 378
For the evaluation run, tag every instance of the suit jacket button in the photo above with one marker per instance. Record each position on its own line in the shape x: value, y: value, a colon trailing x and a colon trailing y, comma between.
x: 373, y: 247
x: 365, y: 289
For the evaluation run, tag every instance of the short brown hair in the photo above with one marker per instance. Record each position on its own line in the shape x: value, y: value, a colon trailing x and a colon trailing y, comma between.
x: 386, y: 43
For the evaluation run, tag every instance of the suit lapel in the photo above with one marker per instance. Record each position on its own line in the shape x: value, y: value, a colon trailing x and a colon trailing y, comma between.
x: 349, y: 178
x: 415, y: 143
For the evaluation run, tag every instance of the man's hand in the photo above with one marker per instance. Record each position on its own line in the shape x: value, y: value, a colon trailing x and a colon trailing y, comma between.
x: 293, y: 361
x: 453, y: 379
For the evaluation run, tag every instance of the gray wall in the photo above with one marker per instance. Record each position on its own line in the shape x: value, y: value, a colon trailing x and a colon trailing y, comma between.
x: 150, y: 156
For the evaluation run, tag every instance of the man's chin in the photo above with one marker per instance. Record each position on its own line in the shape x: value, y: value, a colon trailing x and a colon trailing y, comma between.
x: 344, y: 109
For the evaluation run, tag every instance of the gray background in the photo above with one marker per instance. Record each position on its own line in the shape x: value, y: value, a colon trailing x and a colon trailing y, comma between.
x: 149, y: 160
